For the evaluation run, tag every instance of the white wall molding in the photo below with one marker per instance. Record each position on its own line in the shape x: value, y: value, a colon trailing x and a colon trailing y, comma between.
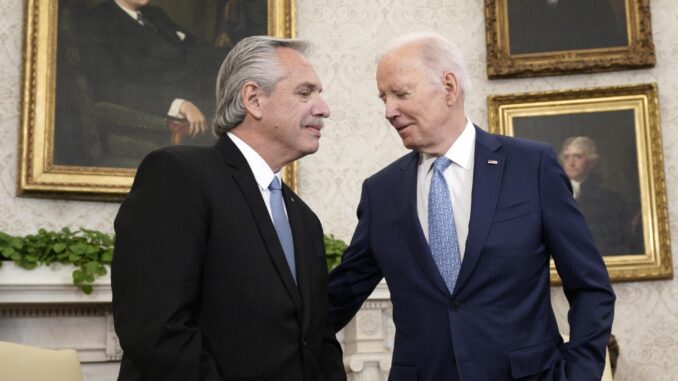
x: 48, y: 285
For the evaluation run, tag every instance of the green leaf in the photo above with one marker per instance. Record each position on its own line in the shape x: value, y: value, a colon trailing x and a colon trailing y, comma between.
x: 8, y: 252
x: 101, y: 271
x: 59, y: 247
x: 107, y: 256
x: 91, y: 268
x: 78, y: 276
x: 78, y: 248
x: 87, y: 288
x: 29, y: 265
x: 17, y: 244
x: 73, y: 257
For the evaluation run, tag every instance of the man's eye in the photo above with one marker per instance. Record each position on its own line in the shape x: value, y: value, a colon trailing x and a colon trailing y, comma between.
x: 304, y: 93
x: 401, y: 95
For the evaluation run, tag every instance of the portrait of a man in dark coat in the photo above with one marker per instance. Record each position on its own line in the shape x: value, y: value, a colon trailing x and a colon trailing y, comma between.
x: 539, y: 26
x: 603, y: 208
x: 137, y: 75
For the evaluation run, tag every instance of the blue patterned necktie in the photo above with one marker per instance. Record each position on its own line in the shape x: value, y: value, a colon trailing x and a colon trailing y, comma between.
x: 442, y: 232
x: 282, y: 224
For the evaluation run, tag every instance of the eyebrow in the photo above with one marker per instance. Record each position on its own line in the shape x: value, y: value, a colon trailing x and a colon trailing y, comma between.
x: 310, y: 85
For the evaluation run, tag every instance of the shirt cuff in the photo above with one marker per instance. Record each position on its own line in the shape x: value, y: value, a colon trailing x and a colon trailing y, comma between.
x: 175, y: 108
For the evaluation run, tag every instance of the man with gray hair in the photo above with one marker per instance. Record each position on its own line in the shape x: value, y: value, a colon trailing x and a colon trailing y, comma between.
x: 462, y: 228
x: 219, y: 270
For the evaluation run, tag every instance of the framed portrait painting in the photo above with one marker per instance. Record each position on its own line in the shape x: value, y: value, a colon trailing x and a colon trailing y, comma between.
x: 608, y: 141
x: 549, y: 37
x: 104, y: 85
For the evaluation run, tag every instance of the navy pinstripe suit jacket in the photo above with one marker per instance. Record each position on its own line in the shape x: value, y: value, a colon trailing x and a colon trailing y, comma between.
x: 498, y: 323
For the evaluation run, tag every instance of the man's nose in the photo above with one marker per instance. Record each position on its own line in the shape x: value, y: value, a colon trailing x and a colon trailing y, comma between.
x: 391, y: 111
x: 321, y: 109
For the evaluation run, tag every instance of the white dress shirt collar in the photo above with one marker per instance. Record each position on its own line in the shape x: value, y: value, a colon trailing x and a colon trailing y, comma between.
x: 263, y: 174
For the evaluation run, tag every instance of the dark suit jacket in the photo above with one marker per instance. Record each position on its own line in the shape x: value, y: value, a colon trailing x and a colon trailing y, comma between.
x: 201, y: 288
x: 498, y: 324
x: 134, y: 66
x: 606, y: 213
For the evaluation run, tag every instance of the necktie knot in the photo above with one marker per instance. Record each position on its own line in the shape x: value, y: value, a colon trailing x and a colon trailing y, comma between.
x: 275, y: 184
x: 441, y: 163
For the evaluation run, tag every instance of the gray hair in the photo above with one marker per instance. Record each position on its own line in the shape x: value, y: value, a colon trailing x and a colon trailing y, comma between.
x: 438, y: 54
x: 585, y: 143
x: 252, y: 59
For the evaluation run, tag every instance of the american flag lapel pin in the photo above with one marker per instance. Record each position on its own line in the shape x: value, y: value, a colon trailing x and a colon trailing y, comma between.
x: 492, y: 162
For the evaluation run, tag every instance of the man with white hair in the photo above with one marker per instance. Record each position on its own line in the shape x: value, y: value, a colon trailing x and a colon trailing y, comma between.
x: 462, y: 228
x: 603, y: 208
x: 219, y: 270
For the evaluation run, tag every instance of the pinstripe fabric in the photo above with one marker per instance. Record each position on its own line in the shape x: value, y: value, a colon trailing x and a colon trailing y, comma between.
x: 201, y: 287
x: 498, y: 323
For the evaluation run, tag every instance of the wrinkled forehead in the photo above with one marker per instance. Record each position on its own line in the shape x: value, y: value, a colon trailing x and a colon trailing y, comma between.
x: 296, y: 67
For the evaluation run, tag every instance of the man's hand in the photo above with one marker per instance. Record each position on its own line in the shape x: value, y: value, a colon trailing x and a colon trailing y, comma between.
x: 198, y: 124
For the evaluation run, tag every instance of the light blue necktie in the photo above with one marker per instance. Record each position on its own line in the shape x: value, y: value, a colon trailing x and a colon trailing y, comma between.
x: 442, y: 232
x: 282, y: 224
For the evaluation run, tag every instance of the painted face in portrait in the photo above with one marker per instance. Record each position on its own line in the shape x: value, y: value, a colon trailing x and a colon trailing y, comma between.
x: 134, y: 5
x: 293, y: 112
x: 576, y: 163
x: 417, y: 102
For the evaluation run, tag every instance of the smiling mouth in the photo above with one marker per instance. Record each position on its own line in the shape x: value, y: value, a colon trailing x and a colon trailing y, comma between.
x: 315, y: 129
x: 401, y: 128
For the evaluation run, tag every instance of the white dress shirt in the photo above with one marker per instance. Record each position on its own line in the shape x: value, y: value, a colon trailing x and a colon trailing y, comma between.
x: 576, y: 188
x: 263, y: 174
x: 459, y: 178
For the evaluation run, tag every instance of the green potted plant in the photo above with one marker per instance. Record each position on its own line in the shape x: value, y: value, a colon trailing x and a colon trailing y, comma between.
x: 90, y: 251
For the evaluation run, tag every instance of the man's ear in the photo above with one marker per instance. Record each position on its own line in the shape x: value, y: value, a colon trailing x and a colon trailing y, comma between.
x: 453, y: 92
x: 252, y: 99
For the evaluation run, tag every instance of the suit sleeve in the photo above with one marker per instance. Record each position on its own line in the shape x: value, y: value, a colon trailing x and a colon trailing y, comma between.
x: 358, y: 274
x: 333, y: 359
x: 585, y: 280
x: 161, y: 233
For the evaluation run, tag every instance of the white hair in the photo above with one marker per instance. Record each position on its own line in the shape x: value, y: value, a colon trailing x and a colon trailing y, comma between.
x: 252, y: 59
x: 437, y: 53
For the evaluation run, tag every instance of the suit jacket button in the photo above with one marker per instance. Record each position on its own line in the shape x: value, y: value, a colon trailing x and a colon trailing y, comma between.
x: 454, y: 306
x: 303, y: 343
x: 454, y: 363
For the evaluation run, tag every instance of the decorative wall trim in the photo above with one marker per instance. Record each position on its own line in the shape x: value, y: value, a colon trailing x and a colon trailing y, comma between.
x: 47, y: 284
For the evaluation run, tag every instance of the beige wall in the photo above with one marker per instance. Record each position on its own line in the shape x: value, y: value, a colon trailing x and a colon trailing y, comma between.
x: 357, y: 141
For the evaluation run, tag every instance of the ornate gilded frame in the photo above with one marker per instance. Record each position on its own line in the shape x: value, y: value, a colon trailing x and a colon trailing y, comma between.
x: 501, y: 63
x: 38, y: 175
x: 655, y: 262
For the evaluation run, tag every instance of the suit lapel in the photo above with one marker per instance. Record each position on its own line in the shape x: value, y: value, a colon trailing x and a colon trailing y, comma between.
x: 301, y: 254
x: 250, y: 190
x: 409, y: 222
x: 487, y: 175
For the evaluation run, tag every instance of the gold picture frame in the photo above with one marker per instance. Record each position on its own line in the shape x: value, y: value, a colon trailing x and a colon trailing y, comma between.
x: 629, y: 200
x: 38, y: 173
x: 549, y: 42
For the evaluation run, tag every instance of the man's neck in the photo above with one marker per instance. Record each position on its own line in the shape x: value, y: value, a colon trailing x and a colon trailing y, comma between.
x: 264, y: 148
x: 127, y: 7
x: 456, y: 128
